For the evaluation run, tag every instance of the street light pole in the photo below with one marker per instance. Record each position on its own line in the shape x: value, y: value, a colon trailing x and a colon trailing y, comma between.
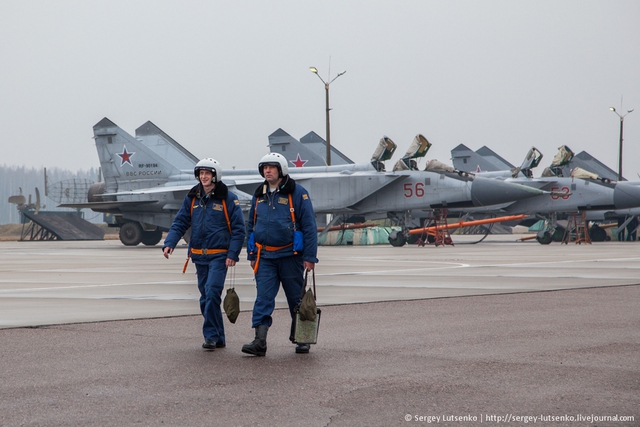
x: 621, y: 137
x: 328, y: 127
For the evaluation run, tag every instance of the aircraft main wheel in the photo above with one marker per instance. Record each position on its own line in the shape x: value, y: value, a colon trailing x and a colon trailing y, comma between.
x: 396, y: 238
x: 558, y: 234
x: 151, y: 238
x: 131, y: 233
x: 544, y: 237
x: 597, y: 234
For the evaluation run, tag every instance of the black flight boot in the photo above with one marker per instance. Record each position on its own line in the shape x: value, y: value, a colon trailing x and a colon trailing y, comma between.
x: 302, y: 348
x: 258, y: 346
x: 209, y: 345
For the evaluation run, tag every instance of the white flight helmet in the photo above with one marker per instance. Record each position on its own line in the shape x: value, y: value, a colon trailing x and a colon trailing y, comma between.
x: 210, y: 165
x: 274, y: 159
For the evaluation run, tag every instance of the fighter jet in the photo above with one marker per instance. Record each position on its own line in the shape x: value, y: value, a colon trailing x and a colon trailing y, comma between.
x: 485, y: 160
x: 145, y: 180
x: 578, y: 191
x: 562, y: 194
x: 147, y: 177
x: 404, y: 193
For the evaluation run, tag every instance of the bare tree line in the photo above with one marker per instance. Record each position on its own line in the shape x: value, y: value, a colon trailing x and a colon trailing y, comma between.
x: 14, y: 178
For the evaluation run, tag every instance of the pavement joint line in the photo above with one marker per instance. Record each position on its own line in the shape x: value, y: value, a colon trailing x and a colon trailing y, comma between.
x: 104, y: 285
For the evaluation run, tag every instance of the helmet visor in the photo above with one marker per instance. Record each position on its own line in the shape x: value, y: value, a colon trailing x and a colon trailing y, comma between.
x: 213, y: 171
x: 274, y: 164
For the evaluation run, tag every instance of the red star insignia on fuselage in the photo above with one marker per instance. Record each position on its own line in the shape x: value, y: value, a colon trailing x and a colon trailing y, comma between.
x: 125, y: 156
x: 298, y: 162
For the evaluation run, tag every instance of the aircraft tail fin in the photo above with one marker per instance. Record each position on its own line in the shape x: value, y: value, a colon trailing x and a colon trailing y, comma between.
x: 485, y: 159
x: 128, y: 163
x: 154, y: 138
x: 309, y: 151
x: 293, y: 150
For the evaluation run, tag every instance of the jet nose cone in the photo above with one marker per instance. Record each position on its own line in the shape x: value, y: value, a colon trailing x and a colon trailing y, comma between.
x: 626, y: 195
x: 488, y: 191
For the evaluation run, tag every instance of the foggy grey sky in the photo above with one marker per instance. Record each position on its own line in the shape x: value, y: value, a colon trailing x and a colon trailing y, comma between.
x: 220, y: 76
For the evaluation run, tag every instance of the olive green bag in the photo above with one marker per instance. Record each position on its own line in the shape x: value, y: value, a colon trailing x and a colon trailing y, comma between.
x: 231, y: 303
x: 307, y: 314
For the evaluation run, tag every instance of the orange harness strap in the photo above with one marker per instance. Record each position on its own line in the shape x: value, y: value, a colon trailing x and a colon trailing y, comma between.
x: 272, y: 248
x: 206, y: 251
x: 293, y: 218
x: 186, y: 261
x: 266, y: 248
x: 226, y: 215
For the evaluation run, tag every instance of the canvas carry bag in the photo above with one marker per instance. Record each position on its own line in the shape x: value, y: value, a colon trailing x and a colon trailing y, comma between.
x: 307, y: 314
x: 231, y: 303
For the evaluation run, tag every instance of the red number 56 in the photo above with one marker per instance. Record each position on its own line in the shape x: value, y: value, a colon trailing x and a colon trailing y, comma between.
x: 410, y: 191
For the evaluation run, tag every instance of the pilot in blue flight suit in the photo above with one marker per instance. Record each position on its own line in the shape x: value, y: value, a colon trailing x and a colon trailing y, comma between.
x: 217, y: 236
x: 280, y: 209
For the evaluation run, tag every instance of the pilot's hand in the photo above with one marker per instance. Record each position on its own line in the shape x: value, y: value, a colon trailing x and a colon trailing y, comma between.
x: 309, y: 265
x: 230, y: 262
x: 167, y: 251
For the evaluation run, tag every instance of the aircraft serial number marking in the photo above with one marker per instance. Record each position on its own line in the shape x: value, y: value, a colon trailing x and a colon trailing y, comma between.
x: 413, y: 189
x: 564, y: 189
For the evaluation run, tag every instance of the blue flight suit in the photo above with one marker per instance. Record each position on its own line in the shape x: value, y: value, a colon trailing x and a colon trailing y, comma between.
x: 210, y: 231
x: 272, y: 227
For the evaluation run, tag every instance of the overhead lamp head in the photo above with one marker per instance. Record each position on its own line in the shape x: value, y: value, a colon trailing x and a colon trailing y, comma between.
x: 612, y: 109
x: 313, y: 70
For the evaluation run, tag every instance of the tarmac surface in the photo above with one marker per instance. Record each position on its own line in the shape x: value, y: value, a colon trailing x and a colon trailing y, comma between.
x: 502, y: 332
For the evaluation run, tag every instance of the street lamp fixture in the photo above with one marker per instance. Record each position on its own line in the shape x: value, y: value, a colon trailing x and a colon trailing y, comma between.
x: 621, y: 137
x: 314, y: 70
